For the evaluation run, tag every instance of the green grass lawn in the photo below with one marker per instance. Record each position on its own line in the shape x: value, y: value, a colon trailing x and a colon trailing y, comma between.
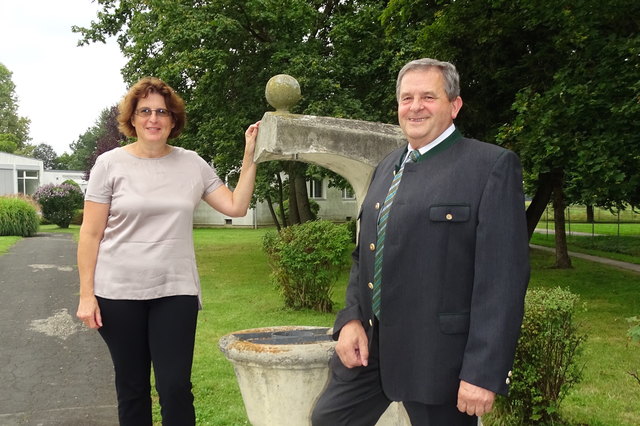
x: 6, y: 243
x: 628, y: 229
x: 238, y: 295
x: 605, y: 242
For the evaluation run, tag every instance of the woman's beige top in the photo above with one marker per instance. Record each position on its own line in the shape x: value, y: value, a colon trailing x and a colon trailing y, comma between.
x: 147, y: 249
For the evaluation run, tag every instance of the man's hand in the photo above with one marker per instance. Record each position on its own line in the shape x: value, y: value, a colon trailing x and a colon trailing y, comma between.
x: 474, y: 400
x: 352, y: 346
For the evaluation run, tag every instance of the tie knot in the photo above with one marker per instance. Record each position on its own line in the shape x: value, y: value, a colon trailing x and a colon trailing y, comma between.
x: 414, y: 155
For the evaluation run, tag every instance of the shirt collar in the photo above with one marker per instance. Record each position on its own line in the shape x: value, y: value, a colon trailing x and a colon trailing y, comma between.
x: 435, y: 143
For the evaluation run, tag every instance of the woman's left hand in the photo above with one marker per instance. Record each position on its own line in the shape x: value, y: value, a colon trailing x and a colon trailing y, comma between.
x: 250, y: 136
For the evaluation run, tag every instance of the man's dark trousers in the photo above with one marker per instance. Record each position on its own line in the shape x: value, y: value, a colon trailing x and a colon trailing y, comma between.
x: 360, y: 401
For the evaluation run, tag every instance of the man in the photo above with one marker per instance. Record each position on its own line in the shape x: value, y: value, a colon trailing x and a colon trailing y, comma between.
x: 436, y: 326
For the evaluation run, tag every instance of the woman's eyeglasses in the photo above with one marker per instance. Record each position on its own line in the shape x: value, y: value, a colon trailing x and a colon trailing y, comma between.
x: 146, y: 112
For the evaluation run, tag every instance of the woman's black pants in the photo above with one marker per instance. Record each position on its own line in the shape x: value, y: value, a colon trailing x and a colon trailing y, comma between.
x: 159, y: 331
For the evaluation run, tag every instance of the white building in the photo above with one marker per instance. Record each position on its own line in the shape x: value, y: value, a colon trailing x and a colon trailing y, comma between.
x: 57, y: 177
x: 24, y: 175
x: 19, y: 174
x: 335, y: 205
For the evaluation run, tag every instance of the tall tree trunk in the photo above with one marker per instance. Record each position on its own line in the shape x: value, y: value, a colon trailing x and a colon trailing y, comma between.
x: 274, y: 216
x: 563, y: 261
x: 302, y: 197
x: 292, y: 171
x: 294, y: 216
x: 299, y: 207
x: 539, y: 202
x: 590, y: 215
x: 283, y: 215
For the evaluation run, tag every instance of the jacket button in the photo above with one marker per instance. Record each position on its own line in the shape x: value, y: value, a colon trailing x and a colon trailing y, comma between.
x: 377, y: 206
x: 372, y: 247
x: 507, y: 381
x: 449, y: 216
x: 370, y: 286
x: 371, y: 322
x: 510, y: 373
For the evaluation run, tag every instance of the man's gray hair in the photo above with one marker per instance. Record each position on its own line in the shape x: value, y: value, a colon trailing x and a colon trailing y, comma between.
x: 448, y: 70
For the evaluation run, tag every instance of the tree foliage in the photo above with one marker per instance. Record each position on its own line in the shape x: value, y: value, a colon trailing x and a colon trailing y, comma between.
x: 8, y: 142
x: 108, y: 137
x: 100, y: 137
x: 220, y: 54
x: 46, y: 154
x: 556, y: 82
x: 13, y: 128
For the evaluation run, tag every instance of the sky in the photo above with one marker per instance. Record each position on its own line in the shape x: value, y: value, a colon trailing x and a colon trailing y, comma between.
x: 60, y: 87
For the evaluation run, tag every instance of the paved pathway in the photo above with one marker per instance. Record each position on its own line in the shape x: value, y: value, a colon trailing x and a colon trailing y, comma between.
x: 552, y: 232
x: 616, y: 263
x: 53, y: 371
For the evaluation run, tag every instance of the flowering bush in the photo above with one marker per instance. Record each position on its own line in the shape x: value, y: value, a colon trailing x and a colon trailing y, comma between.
x: 59, y: 202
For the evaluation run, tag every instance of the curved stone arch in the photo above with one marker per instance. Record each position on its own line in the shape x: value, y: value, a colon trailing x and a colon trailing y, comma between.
x: 350, y: 148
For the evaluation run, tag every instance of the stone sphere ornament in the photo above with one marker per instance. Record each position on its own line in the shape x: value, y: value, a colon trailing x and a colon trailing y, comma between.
x: 282, y: 92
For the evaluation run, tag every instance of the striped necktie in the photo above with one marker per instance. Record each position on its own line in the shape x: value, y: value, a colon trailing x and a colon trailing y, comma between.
x: 382, y: 227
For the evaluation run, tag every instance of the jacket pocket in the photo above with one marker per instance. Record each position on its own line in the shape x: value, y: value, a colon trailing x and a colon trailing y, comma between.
x: 449, y: 212
x: 457, y: 323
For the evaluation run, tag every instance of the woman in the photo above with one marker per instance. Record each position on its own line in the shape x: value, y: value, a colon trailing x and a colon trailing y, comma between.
x: 139, y: 284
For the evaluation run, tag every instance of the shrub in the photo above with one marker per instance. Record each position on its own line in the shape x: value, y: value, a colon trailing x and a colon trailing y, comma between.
x: 77, y: 217
x: 306, y: 260
x: 59, y: 202
x: 18, y: 217
x: 72, y: 182
x: 546, y: 363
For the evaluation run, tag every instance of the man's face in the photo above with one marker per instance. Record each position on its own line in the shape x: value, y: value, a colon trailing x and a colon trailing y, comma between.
x: 424, y: 110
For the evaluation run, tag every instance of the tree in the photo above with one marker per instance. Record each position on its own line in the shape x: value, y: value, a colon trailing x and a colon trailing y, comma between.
x: 10, y: 122
x: 83, y: 149
x: 108, y: 139
x: 8, y: 142
x: 47, y: 154
x: 219, y: 55
x: 271, y: 188
x: 580, y: 135
x: 63, y: 162
x: 556, y: 83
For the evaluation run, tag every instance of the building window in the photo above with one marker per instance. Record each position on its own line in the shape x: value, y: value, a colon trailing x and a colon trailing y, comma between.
x: 27, y: 181
x: 347, y: 194
x: 316, y: 189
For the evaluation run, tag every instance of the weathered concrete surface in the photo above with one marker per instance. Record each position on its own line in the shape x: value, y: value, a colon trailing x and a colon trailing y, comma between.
x: 280, y: 384
x: 351, y: 148
x: 53, y: 371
